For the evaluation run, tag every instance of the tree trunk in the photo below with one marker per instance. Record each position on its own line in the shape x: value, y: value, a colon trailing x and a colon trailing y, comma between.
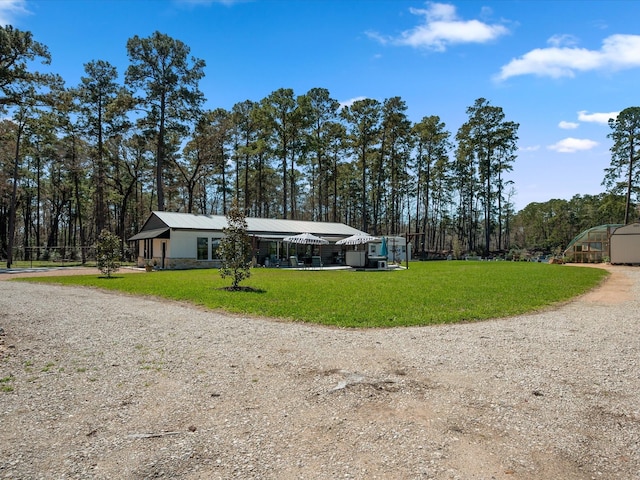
x: 627, y: 207
x: 14, y: 197
x: 76, y: 183
x: 160, y: 157
x: 101, y: 215
x: 38, y: 202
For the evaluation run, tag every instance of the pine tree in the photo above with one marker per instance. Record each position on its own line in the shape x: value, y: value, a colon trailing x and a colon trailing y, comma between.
x: 623, y: 173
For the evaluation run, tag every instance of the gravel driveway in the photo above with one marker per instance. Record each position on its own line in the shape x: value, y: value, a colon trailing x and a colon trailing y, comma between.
x: 99, y: 385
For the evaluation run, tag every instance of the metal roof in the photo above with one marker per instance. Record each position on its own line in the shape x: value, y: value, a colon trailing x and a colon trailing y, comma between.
x: 630, y: 229
x: 255, y: 226
x: 155, y: 233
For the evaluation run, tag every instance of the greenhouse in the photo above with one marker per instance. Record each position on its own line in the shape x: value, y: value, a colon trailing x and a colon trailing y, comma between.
x: 592, y: 245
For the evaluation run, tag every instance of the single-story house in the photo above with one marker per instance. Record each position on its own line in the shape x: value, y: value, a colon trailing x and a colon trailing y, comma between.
x: 184, y: 240
x: 625, y: 244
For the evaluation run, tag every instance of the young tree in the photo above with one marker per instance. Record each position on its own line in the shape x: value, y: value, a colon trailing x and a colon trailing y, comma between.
x: 161, y: 68
x: 235, y: 247
x: 625, y: 153
x: 108, y: 253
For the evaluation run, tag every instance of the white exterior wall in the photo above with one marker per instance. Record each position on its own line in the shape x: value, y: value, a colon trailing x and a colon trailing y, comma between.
x: 184, y: 249
x: 184, y: 243
x: 181, y: 250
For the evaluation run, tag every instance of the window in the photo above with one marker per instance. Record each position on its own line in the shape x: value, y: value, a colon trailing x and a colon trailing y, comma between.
x: 215, y: 243
x: 148, y: 248
x: 203, y: 248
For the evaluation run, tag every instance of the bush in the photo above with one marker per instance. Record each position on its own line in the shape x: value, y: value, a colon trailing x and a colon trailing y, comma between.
x: 235, y: 248
x: 108, y: 253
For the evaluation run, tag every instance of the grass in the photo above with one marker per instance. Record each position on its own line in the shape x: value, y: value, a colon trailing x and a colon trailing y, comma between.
x: 5, y: 385
x: 427, y: 293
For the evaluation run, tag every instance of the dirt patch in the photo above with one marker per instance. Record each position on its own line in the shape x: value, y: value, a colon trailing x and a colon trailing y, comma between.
x: 617, y: 287
x: 97, y: 385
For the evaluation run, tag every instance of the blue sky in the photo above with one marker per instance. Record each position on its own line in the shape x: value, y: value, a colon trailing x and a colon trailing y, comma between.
x: 558, y: 68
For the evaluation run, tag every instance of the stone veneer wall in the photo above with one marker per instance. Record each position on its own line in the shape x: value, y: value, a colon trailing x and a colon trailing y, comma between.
x: 182, y: 263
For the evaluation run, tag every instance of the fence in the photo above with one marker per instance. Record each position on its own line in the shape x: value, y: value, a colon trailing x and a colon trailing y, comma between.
x: 52, y: 256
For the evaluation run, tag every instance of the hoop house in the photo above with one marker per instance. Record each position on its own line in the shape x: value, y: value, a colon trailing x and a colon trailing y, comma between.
x: 592, y: 245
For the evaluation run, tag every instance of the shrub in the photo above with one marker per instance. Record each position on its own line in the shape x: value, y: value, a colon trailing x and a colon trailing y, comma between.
x: 235, y: 247
x: 108, y: 253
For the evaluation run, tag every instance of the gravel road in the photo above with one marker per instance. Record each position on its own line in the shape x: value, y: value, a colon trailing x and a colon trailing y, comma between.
x: 103, y: 386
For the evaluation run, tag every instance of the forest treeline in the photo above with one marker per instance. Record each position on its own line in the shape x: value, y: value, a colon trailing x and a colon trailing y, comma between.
x: 75, y: 160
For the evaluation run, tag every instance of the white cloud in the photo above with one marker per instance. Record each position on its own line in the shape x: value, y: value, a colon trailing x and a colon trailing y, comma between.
x: 9, y: 9
x: 568, y: 125
x: 348, y: 103
x: 532, y: 148
x: 618, y: 52
x: 563, y: 41
x: 572, y: 145
x: 441, y: 28
x: 602, y: 118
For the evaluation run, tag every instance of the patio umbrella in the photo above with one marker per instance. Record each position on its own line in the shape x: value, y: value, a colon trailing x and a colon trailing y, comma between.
x: 306, y: 239
x: 356, y: 239
x: 383, y: 248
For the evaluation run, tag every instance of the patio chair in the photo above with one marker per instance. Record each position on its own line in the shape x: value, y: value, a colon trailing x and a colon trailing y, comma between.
x: 316, y: 262
x: 294, y: 262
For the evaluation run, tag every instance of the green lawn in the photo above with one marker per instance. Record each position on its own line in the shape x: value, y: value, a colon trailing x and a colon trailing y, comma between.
x: 427, y: 293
